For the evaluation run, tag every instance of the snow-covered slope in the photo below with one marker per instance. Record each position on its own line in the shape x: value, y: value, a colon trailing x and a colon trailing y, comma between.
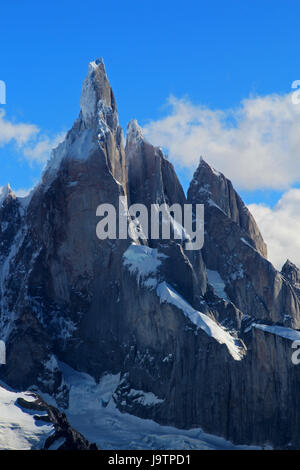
x: 18, y: 428
x: 92, y: 411
x: 288, y: 333
x: 211, y: 328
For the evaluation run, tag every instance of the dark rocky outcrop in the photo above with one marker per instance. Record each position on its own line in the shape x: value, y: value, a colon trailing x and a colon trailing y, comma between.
x: 71, y: 439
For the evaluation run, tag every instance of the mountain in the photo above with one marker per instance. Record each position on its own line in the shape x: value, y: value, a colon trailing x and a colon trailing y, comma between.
x: 144, y: 328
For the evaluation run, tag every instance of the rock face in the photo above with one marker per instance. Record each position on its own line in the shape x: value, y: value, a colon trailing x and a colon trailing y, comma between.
x: 217, y: 189
x: 292, y: 274
x: 153, y: 181
x: 198, y: 338
x: 9, y: 219
x: 152, y: 178
x: 234, y: 248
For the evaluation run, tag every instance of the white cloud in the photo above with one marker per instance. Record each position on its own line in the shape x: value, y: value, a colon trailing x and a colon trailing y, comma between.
x: 280, y: 227
x: 21, y: 133
x: 34, y: 146
x: 256, y: 145
x: 39, y: 151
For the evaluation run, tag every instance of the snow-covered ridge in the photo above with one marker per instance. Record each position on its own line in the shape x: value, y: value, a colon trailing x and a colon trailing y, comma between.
x: 211, y: 328
x: 134, y: 133
x: 94, y: 121
x: 247, y: 244
x: 18, y: 428
x: 88, y: 100
x: 4, y: 192
x: 287, y: 333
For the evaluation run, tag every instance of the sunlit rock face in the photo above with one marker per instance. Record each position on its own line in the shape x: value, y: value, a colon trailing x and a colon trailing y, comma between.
x: 234, y: 247
x: 215, y: 188
x: 292, y: 273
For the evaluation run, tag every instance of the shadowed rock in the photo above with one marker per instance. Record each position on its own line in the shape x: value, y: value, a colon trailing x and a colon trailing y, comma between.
x: 71, y: 439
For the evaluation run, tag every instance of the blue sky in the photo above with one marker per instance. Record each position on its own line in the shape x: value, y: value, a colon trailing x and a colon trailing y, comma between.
x: 212, y: 54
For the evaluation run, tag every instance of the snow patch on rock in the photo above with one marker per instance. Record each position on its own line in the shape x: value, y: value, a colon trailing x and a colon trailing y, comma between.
x: 143, y: 262
x: 144, y: 398
x: 202, y: 321
x: 217, y: 282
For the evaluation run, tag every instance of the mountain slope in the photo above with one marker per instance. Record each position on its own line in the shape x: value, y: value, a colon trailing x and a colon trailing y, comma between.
x: 18, y: 428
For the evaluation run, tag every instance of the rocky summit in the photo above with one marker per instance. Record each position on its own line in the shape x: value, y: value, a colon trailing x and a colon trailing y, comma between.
x: 144, y: 329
